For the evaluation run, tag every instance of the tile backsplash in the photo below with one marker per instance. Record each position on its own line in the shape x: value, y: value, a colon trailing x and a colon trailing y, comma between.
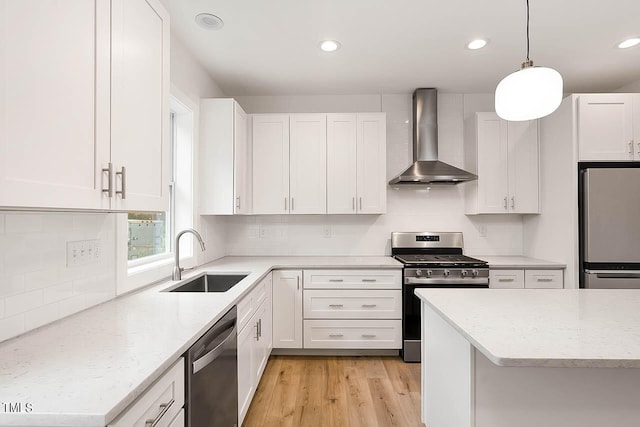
x: 36, y: 285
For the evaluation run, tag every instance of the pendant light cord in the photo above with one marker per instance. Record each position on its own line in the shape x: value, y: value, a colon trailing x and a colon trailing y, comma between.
x: 527, y: 30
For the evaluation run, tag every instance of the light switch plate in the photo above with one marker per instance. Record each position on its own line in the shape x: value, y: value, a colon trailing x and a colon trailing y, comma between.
x: 83, y: 252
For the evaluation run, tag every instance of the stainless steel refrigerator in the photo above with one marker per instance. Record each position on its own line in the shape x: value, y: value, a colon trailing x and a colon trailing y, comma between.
x: 609, y: 205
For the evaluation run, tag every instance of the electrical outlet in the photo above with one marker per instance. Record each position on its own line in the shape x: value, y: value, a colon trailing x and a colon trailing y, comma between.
x: 482, y: 230
x: 262, y: 233
x: 83, y: 252
x: 326, y: 232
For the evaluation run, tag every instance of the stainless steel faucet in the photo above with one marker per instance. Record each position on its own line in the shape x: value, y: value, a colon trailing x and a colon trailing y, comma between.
x: 177, y: 270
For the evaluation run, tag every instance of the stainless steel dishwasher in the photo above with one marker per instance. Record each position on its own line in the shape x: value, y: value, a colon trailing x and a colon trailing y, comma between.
x: 212, y: 376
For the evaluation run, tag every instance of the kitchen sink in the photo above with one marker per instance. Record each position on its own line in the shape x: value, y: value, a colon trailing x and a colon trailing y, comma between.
x: 210, y: 283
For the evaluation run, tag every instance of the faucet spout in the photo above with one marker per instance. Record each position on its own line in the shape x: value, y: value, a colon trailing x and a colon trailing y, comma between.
x: 177, y: 270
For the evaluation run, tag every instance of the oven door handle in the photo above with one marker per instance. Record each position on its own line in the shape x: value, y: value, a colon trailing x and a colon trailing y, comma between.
x: 478, y: 281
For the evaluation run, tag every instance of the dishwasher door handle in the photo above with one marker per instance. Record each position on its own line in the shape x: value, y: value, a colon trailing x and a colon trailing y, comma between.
x: 200, y: 363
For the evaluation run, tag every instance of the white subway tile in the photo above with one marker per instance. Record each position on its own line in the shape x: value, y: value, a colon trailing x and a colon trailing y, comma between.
x: 11, y: 326
x: 57, y: 292
x: 23, y: 223
x: 2, y: 223
x: 41, y: 316
x: 11, y: 284
x: 23, y: 302
x: 72, y: 305
x: 41, y: 279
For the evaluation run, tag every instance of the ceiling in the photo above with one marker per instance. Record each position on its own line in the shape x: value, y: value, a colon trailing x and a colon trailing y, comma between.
x: 270, y: 47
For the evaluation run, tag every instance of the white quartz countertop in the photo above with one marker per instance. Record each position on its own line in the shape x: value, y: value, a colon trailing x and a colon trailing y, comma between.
x: 515, y: 261
x: 85, y: 369
x: 592, y: 328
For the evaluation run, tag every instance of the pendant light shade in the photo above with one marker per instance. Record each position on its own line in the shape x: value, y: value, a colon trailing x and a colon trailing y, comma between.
x: 530, y: 93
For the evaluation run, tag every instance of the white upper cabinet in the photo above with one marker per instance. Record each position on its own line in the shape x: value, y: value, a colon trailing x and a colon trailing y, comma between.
x: 270, y: 163
x: 54, y: 115
x: 69, y: 113
x: 140, y: 104
x: 505, y: 157
x: 308, y: 163
x: 224, y: 158
x: 609, y: 126
x: 372, y: 163
x: 356, y: 163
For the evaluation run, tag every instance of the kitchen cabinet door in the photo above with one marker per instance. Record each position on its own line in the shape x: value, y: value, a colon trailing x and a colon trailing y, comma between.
x: 524, y: 170
x: 224, y: 158
x: 246, y: 384
x: 493, y: 178
x: 605, y: 127
x: 308, y: 163
x: 54, y: 116
x: 372, y: 163
x: 287, y: 309
x: 270, y: 163
x: 265, y: 342
x: 341, y: 164
x: 140, y: 104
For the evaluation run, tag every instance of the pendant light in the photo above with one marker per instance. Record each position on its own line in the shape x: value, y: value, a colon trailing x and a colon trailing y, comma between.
x: 529, y: 93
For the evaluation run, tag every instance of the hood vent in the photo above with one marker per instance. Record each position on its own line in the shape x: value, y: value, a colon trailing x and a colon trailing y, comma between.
x: 426, y: 168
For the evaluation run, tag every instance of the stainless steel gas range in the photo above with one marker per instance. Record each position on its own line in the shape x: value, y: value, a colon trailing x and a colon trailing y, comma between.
x: 431, y: 260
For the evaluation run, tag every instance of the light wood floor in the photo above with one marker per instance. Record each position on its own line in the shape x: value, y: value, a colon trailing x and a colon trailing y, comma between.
x: 314, y: 391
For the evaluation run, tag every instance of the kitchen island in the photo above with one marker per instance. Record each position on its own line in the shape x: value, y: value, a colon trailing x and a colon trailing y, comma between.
x: 498, y: 358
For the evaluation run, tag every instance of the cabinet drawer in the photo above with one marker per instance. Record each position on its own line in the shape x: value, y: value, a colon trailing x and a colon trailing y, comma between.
x: 544, y: 279
x: 353, y: 334
x: 162, y: 401
x: 352, y: 279
x: 506, y: 279
x: 352, y: 304
x: 248, y: 305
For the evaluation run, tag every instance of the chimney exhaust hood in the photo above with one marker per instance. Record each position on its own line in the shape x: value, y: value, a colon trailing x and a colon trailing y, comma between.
x: 426, y: 168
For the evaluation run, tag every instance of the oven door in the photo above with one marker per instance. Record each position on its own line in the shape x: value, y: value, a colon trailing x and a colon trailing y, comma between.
x: 411, y: 324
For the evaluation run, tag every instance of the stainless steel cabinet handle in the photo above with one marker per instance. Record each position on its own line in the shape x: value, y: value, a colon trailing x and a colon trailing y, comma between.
x: 360, y: 203
x: 257, y: 332
x: 298, y: 282
x: 292, y: 205
x: 369, y: 305
x: 237, y: 202
x: 109, y: 171
x: 164, y: 407
x: 506, y: 280
x: 336, y: 280
x: 631, y: 147
x: 543, y: 279
x: 336, y: 305
x: 368, y: 335
x: 353, y: 204
x: 123, y: 183
x: 505, y: 203
x: 513, y: 202
x: 369, y: 280
x: 639, y: 150
x: 336, y: 335
x: 285, y: 204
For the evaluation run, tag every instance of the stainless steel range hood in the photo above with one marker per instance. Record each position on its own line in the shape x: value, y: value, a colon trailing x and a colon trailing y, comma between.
x: 426, y: 168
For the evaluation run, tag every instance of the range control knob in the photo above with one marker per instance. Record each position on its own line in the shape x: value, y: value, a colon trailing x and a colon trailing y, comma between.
x: 446, y: 273
x: 418, y: 272
x: 464, y: 273
x: 429, y: 273
x: 474, y: 273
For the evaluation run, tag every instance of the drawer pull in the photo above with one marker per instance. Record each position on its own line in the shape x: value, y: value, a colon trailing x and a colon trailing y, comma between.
x: 368, y: 335
x: 544, y: 279
x: 369, y: 280
x: 164, y: 407
x: 369, y: 305
x: 336, y: 335
x: 336, y: 305
x: 336, y: 280
x: 506, y: 280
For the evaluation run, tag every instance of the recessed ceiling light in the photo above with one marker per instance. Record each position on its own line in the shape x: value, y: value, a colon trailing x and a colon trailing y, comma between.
x: 476, y: 44
x: 629, y: 43
x: 209, y: 21
x: 330, y: 45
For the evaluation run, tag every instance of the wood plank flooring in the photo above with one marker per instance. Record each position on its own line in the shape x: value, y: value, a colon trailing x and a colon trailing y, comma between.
x: 319, y: 391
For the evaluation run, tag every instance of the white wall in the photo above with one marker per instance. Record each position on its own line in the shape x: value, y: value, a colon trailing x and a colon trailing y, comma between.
x: 440, y: 209
x: 36, y: 285
x: 633, y: 87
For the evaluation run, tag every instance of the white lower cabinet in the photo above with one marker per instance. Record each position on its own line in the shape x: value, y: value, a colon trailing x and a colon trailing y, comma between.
x: 529, y: 278
x: 352, y: 304
x: 287, y: 309
x: 254, y: 343
x: 160, y: 405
